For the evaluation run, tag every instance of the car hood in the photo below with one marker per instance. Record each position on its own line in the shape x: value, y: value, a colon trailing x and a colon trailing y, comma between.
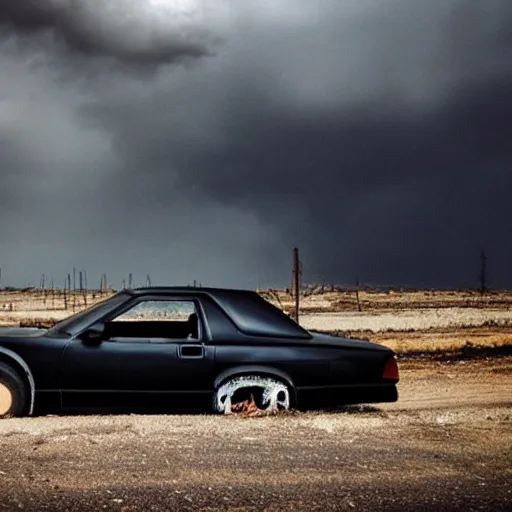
x: 339, y: 342
x: 21, y: 332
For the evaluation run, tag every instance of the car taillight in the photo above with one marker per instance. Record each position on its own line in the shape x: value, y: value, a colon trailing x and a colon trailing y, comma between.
x: 391, y: 370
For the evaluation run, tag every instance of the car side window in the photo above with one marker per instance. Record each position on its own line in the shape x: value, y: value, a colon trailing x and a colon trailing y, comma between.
x: 157, y: 321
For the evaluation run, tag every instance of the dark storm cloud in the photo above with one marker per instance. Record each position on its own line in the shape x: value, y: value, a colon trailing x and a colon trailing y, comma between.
x: 373, y: 135
x: 130, y: 32
x: 388, y: 197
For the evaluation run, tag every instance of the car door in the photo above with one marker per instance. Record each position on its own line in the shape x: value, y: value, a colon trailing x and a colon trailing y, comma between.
x: 154, y: 353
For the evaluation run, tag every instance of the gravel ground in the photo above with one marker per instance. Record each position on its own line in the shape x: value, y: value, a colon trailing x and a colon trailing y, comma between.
x: 417, y: 320
x: 446, y: 445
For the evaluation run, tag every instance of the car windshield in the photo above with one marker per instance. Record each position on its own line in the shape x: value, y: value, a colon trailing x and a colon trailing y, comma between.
x: 67, y: 325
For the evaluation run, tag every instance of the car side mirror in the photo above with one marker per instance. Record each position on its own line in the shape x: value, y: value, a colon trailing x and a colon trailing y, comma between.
x: 94, y: 334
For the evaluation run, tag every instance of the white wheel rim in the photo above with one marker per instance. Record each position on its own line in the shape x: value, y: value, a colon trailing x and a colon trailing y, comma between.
x: 276, y: 395
x: 5, y: 399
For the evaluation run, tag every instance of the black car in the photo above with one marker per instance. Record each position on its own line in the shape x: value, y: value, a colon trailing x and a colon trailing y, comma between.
x: 187, y: 349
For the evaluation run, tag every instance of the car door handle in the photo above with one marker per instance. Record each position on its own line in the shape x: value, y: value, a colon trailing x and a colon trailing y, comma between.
x: 189, y: 351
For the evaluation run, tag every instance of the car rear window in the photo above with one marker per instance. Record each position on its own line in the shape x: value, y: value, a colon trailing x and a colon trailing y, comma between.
x: 252, y: 314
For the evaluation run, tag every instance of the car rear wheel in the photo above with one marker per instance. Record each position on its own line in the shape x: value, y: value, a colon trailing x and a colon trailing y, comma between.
x: 12, y: 393
x: 252, y: 394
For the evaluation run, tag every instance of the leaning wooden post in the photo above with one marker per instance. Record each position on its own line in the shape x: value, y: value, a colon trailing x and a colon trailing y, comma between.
x: 43, y: 286
x: 357, y: 295
x: 86, y: 288
x: 82, y: 288
x: 65, y: 293
x: 483, y: 273
x: 296, y: 281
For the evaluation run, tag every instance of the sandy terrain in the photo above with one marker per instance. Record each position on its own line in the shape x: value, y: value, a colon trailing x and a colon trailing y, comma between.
x: 446, y: 445
x: 330, y: 311
x: 16, y: 306
x: 391, y: 300
x: 415, y: 320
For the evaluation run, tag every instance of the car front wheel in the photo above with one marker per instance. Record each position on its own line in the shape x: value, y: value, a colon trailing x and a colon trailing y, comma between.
x: 252, y: 394
x: 12, y: 393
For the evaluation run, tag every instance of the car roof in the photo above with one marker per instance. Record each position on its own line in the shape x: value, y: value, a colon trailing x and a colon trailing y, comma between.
x: 247, y: 309
x: 179, y: 289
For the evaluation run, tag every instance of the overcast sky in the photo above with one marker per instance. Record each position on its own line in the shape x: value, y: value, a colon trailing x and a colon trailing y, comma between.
x: 203, y: 140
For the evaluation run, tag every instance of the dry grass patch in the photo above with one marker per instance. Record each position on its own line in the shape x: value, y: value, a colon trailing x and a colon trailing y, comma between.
x: 434, y: 342
x: 449, y: 344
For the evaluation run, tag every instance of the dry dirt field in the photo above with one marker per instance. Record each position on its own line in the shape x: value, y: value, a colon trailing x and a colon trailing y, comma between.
x: 416, y: 321
x: 445, y: 445
x: 38, y: 306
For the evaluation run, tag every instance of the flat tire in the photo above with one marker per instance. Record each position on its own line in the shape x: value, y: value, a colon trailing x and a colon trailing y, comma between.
x: 267, y: 394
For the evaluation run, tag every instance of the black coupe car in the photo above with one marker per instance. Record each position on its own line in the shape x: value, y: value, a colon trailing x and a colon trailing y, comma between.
x: 187, y: 349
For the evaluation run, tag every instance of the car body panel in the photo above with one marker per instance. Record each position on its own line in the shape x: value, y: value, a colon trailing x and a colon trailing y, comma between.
x: 42, y: 355
x: 238, y: 332
x: 305, y: 366
x: 139, y: 370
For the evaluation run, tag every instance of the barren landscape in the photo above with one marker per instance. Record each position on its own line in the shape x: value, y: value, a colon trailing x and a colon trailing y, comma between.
x: 445, y: 445
x: 416, y: 321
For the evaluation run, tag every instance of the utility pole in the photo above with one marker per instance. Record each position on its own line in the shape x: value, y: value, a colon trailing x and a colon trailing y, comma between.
x: 43, y: 288
x: 357, y: 295
x: 297, y: 272
x: 83, y: 285
x: 103, y: 283
x: 483, y: 273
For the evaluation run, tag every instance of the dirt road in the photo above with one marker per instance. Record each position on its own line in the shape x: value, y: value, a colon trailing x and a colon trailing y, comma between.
x: 446, y: 445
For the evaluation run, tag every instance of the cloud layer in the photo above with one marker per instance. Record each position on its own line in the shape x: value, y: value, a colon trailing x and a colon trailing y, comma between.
x: 136, y: 33
x: 373, y: 135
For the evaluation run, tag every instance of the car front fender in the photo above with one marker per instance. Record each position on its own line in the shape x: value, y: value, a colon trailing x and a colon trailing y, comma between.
x: 253, y: 369
x: 10, y: 356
